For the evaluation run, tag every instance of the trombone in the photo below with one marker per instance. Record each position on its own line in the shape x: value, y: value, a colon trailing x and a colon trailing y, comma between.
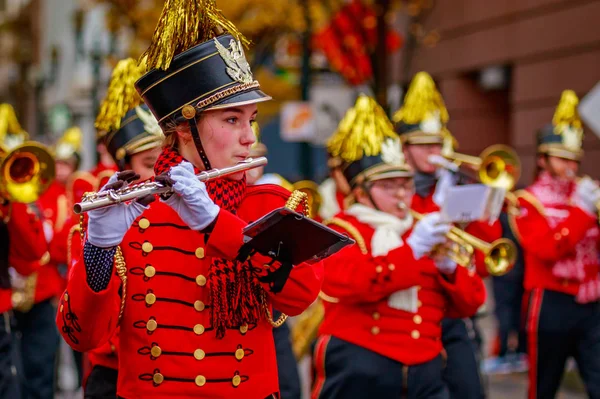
x: 499, y: 256
x: 26, y: 171
x: 497, y: 166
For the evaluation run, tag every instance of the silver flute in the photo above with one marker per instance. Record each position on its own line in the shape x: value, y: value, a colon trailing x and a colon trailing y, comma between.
x: 107, y: 198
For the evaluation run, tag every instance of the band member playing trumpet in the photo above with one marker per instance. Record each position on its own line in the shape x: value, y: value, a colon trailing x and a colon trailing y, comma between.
x: 381, y: 334
x: 557, y: 225
x: 421, y: 124
x: 35, y: 309
x: 23, y: 244
x: 194, y: 315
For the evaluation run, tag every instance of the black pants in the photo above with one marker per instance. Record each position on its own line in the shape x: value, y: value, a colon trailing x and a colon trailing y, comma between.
x: 461, y: 373
x: 508, y: 297
x: 101, y: 383
x: 559, y: 328
x: 38, y: 349
x: 289, y: 379
x: 348, y: 371
x: 10, y: 387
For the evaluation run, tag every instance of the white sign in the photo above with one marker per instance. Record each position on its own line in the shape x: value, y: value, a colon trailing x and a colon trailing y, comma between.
x: 330, y: 104
x: 297, y: 121
x: 589, y: 109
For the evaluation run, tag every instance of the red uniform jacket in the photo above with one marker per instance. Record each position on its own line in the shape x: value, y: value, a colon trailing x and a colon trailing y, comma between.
x: 480, y: 230
x: 54, y: 204
x: 27, y: 244
x: 571, y: 240
x: 363, y: 283
x: 167, y: 345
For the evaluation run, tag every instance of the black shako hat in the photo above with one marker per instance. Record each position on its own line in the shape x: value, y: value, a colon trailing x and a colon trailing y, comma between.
x: 193, y: 68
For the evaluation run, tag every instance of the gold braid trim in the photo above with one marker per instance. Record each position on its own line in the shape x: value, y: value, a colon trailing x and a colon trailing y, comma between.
x: 353, y: 231
x: 227, y: 92
x: 122, y: 272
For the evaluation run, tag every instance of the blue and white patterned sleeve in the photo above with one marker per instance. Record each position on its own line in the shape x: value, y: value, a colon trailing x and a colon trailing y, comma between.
x: 98, y: 265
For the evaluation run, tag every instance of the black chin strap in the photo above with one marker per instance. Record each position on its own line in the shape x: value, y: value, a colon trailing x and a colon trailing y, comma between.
x: 189, y: 113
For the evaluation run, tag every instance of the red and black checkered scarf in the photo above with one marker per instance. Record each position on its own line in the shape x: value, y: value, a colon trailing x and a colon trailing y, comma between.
x: 234, y: 290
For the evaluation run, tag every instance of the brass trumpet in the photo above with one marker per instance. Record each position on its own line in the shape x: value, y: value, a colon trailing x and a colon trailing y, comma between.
x: 499, y: 256
x: 26, y: 171
x: 497, y: 166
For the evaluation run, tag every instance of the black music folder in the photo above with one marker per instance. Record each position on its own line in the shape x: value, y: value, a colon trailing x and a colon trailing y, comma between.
x: 292, y: 237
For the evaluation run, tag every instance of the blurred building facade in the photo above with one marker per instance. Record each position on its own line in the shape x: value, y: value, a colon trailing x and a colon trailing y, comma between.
x: 501, y: 66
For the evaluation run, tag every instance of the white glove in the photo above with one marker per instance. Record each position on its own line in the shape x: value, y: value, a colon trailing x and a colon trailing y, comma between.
x: 587, y: 195
x: 428, y: 233
x: 446, y: 180
x: 107, y: 226
x: 445, y: 265
x: 191, y: 200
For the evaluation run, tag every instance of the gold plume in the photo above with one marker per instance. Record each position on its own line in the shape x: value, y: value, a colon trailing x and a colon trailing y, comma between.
x: 422, y: 101
x: 9, y: 124
x: 361, y: 132
x: 120, y: 97
x: 566, y: 112
x: 184, y: 24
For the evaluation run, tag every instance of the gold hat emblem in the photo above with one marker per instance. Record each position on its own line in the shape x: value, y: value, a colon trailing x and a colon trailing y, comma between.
x: 237, y: 66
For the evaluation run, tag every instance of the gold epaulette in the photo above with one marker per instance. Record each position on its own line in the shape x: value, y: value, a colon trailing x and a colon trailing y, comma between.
x: 353, y: 231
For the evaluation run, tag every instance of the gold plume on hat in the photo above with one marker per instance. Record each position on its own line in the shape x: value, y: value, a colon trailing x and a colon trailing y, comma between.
x: 120, y: 97
x: 422, y: 102
x: 184, y: 24
x: 361, y: 132
x: 69, y: 143
x: 566, y: 112
x: 566, y: 121
x: 9, y: 124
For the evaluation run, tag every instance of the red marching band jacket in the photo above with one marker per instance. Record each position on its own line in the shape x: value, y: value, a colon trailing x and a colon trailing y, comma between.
x: 27, y: 244
x: 58, y: 218
x: 482, y: 230
x: 359, y: 286
x: 167, y: 345
x: 571, y: 240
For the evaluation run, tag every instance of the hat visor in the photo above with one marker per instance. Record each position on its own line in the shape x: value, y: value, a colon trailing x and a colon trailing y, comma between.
x: 422, y: 138
x: 381, y: 172
x: 559, y: 151
x: 245, y: 98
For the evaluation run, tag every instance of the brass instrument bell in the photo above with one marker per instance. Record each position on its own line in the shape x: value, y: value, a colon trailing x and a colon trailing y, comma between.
x: 499, y: 256
x: 497, y: 166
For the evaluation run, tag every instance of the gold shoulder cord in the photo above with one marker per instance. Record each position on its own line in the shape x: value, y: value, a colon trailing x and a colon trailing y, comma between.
x: 512, y: 216
x: 292, y: 203
x: 353, y: 231
x: 122, y: 272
